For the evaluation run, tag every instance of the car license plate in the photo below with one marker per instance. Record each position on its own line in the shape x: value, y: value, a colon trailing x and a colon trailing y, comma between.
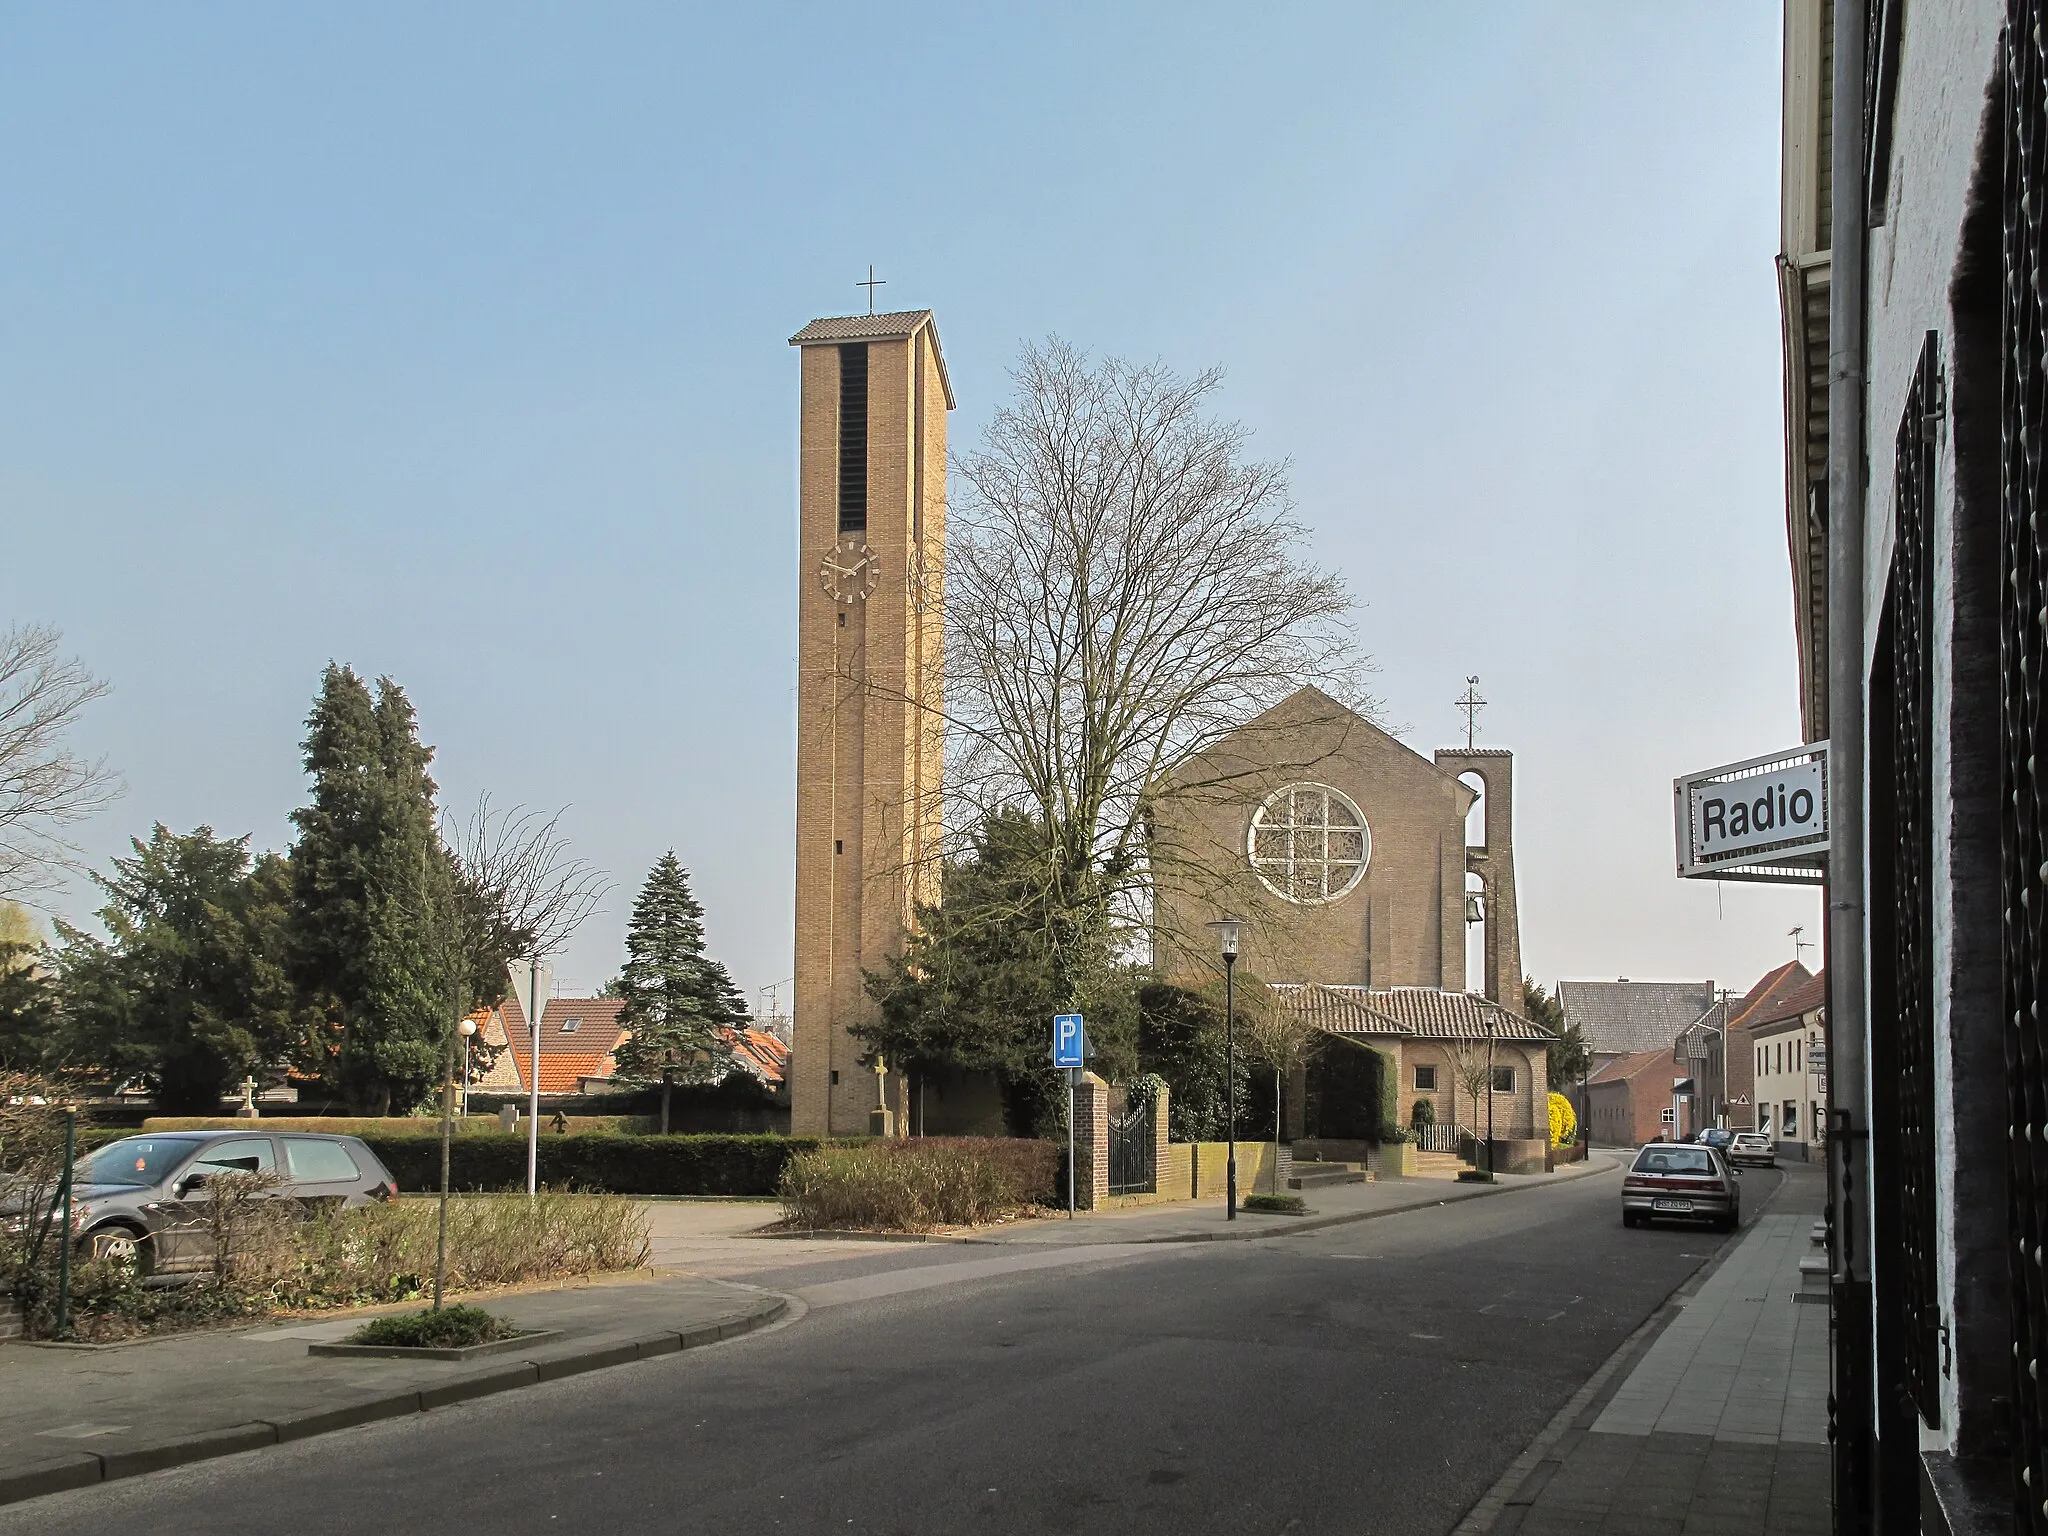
x: 1670, y: 1205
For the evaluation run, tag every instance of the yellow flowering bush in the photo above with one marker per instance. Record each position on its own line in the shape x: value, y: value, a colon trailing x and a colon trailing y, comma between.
x: 1564, y: 1125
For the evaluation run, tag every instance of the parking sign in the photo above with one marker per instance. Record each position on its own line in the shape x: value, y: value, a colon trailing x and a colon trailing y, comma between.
x: 1068, y: 1040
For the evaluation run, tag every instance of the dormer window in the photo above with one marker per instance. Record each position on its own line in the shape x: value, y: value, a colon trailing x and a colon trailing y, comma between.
x: 570, y: 1026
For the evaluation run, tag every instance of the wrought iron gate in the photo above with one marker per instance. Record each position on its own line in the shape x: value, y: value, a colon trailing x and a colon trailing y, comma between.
x: 1902, y: 902
x: 1133, y: 1166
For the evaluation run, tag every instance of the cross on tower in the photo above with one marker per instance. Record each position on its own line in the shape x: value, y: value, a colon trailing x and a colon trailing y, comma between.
x: 1471, y: 704
x: 871, y: 285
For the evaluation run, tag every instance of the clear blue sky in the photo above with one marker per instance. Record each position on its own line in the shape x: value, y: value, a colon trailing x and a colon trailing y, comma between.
x: 448, y: 341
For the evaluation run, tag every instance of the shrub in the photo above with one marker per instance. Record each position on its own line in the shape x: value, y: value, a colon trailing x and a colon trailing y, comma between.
x: 449, y: 1328
x: 386, y: 1252
x: 1564, y: 1125
x: 914, y: 1186
x: 1275, y: 1205
x: 1423, y: 1114
x: 1395, y: 1135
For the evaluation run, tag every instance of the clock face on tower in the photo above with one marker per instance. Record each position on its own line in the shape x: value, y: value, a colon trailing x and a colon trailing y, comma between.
x: 848, y: 573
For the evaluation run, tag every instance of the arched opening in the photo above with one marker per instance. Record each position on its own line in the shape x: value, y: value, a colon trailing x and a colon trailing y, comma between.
x: 1475, y: 819
x: 1475, y: 934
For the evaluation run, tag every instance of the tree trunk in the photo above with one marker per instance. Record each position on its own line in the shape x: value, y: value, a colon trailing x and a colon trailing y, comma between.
x: 665, y: 1086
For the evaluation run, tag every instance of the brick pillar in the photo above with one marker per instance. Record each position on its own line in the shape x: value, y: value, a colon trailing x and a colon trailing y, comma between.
x: 1159, y: 1142
x: 1091, y: 1143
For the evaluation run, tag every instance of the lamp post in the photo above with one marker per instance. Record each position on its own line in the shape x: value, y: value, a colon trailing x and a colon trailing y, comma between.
x: 467, y: 1028
x: 1490, y: 1027
x: 1226, y: 940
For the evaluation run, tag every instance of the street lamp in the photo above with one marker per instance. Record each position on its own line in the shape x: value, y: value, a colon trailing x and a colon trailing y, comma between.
x: 466, y: 1028
x: 1491, y: 1026
x: 1226, y: 940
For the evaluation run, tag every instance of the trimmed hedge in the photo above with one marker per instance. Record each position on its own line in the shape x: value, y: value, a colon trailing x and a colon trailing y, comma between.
x: 622, y: 1165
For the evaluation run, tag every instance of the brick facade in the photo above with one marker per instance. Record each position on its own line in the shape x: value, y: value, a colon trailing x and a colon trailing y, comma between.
x: 868, y: 758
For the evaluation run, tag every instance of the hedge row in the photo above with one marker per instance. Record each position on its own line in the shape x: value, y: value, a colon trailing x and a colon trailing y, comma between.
x: 623, y: 1165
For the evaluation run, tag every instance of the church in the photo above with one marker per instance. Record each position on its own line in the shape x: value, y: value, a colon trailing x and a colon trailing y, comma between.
x: 1378, y: 885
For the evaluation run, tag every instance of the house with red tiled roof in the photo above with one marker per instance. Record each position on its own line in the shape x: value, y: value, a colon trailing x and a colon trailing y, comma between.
x: 579, y: 1042
x: 1629, y: 1100
x: 1758, y: 1005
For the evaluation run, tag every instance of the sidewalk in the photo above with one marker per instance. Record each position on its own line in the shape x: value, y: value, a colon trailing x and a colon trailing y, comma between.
x: 72, y: 1416
x: 1204, y: 1221
x: 1718, y: 1426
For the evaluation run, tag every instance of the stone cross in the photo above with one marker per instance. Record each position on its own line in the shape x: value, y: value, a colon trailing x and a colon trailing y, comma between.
x: 247, y: 1109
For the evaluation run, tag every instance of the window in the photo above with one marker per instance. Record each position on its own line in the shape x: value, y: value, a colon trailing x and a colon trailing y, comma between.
x: 1673, y: 1159
x: 1503, y: 1079
x: 1309, y: 843
x: 1791, y: 1118
x: 1664, y: 1115
x: 1425, y: 1079
x: 320, y: 1162
x: 853, y: 438
x: 570, y: 1026
x: 252, y: 1155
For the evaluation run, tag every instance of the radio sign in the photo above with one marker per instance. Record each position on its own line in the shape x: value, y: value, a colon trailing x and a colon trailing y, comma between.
x: 1768, y: 814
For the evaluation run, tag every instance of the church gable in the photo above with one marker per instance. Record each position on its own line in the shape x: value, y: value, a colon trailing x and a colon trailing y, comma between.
x: 1343, y: 847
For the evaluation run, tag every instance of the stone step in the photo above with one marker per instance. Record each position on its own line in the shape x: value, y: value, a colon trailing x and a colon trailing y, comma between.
x: 1318, y: 1175
x: 1813, y: 1273
x: 1820, y: 1234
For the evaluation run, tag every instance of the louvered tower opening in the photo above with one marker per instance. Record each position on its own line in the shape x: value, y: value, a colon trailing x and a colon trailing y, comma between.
x: 853, y: 438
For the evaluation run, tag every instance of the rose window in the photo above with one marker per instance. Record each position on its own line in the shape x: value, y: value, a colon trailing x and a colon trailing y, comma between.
x: 1309, y: 843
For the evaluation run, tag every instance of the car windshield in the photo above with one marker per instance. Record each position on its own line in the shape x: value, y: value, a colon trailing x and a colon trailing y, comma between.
x: 1674, y: 1160
x: 135, y: 1160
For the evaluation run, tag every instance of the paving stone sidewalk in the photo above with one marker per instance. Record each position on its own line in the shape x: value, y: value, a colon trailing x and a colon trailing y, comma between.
x: 69, y: 1417
x: 1195, y: 1221
x: 1720, y: 1425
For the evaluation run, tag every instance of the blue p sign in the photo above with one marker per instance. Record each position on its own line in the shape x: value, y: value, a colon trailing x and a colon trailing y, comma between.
x: 1068, y: 1041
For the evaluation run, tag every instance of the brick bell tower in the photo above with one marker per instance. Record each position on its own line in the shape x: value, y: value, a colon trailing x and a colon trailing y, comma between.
x: 871, y: 497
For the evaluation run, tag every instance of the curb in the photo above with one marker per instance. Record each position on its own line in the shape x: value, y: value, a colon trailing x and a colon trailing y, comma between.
x: 64, y: 1471
x: 1318, y: 1223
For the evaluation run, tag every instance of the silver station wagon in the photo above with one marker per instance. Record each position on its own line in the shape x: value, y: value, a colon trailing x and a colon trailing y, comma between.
x: 142, y: 1199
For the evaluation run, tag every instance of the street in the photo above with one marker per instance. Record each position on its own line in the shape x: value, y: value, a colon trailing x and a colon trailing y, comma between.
x: 1377, y: 1377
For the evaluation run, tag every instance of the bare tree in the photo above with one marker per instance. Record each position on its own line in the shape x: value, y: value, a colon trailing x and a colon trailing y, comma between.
x: 1277, y: 1037
x: 519, y: 891
x: 1123, y: 588
x: 1472, y: 1066
x: 44, y: 785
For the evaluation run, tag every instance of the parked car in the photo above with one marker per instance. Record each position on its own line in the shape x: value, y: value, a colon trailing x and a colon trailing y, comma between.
x: 1683, y: 1182
x: 142, y: 1199
x: 1713, y: 1136
x: 1753, y: 1147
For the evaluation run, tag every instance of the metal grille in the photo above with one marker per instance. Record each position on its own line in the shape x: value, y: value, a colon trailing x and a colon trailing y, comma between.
x: 1907, y: 739
x: 2023, y: 645
x: 853, y: 438
x: 1131, y: 1161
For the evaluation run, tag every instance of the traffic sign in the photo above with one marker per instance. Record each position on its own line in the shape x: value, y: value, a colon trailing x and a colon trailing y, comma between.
x: 1069, y: 1042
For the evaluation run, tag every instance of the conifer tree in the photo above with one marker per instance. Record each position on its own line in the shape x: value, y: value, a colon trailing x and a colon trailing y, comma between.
x: 678, y: 1002
x: 371, y: 895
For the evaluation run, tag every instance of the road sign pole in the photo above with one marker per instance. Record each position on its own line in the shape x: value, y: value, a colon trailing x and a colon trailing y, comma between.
x: 1070, y: 1143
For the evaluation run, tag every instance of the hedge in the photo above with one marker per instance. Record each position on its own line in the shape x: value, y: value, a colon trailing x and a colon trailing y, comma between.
x: 624, y: 1165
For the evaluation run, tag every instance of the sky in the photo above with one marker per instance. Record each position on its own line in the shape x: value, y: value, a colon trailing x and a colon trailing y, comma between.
x: 448, y: 341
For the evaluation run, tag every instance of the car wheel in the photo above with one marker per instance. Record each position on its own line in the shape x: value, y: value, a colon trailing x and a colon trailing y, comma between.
x: 122, y: 1247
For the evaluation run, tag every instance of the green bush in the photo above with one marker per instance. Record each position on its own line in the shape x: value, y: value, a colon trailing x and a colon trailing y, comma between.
x: 622, y: 1165
x: 1275, y: 1205
x: 915, y: 1186
x: 449, y: 1328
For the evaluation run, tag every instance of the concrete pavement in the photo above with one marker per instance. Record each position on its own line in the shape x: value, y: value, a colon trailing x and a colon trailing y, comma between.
x: 1715, y: 1425
x: 74, y: 1416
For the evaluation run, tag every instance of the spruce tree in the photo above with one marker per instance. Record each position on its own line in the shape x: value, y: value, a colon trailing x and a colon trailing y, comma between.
x: 678, y: 1002
x: 371, y: 895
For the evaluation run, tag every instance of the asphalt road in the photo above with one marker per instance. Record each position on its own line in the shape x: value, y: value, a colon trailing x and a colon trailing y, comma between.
x: 1370, y: 1378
